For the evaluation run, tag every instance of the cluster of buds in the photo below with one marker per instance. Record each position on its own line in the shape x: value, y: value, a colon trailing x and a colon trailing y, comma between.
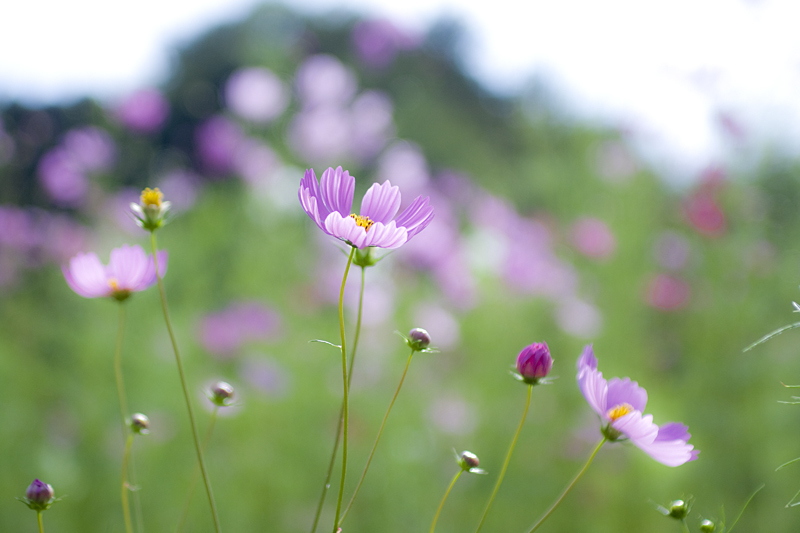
x: 221, y: 394
x: 152, y: 211
x: 534, y: 363
x: 39, y: 496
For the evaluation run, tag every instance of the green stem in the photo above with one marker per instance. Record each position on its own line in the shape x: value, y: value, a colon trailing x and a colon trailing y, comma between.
x: 508, y: 458
x: 447, y: 492
x: 195, y: 474
x: 377, y: 439
x: 197, y: 446
x: 569, y: 488
x: 345, y: 381
x: 39, y: 519
x: 336, y: 441
x: 123, y: 410
x: 685, y: 527
x: 126, y: 509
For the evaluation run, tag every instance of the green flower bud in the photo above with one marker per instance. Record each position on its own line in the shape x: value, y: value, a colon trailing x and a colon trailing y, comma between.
x: 679, y: 509
x: 707, y: 526
x: 140, y: 424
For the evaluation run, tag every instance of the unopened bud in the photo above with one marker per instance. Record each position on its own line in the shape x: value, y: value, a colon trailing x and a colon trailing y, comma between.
x: 418, y: 339
x: 221, y: 393
x: 707, y: 526
x: 152, y: 211
x: 39, y: 496
x: 140, y: 424
x: 468, y: 460
x: 534, y: 362
x: 679, y: 509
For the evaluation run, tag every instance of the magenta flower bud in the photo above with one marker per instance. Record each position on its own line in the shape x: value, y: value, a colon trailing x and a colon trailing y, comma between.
x: 534, y: 362
x: 418, y: 339
x: 221, y: 393
x: 39, y: 492
x: 140, y: 424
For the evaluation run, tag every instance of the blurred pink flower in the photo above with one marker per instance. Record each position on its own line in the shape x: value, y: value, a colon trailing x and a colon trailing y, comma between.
x: 145, y: 111
x: 372, y: 124
x: 667, y: 293
x: 62, y: 179
x: 91, y: 149
x: 223, y: 333
x: 129, y: 270
x: 321, y: 135
x: 217, y: 141
x: 671, y: 250
x: 324, y: 80
x: 256, y: 94
x: 593, y: 238
x: 377, y: 42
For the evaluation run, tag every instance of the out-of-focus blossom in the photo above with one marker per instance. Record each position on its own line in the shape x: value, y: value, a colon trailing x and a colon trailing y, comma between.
x: 92, y: 149
x: 256, y: 94
x: 441, y: 323
x: 20, y: 230
x: 329, y: 202
x: 129, y: 270
x: 223, y: 333
x: 217, y: 141
x: 324, y: 80
x: 62, y: 238
x: 593, y: 238
x: 701, y: 207
x: 404, y: 164
x: 266, y: 375
x: 672, y: 250
x: 377, y: 42
x: 668, y: 293
x: 181, y: 187
x: 321, y: 135
x: 62, y: 179
x: 620, y: 404
x: 256, y: 162
x: 145, y: 111
x: 451, y: 414
x: 578, y: 318
x: 372, y: 124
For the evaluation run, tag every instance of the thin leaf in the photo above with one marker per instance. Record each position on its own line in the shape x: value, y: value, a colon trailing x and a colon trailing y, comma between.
x: 775, y: 333
x: 337, y: 346
x: 788, y: 463
x: 745, y: 505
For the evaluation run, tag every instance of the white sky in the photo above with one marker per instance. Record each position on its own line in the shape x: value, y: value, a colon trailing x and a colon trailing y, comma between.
x: 663, y: 68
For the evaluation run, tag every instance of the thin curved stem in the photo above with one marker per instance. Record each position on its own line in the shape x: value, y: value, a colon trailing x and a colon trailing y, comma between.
x: 126, y: 509
x: 192, y: 423
x: 508, y: 458
x: 39, y: 519
x: 377, y: 439
x: 345, y: 381
x: 446, y: 493
x: 195, y: 474
x: 123, y: 410
x: 338, y: 438
x: 685, y: 527
x: 569, y: 488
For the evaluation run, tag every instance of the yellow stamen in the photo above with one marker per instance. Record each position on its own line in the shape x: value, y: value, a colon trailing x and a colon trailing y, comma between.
x: 152, y: 197
x: 619, y: 411
x: 363, y: 222
x: 114, y: 284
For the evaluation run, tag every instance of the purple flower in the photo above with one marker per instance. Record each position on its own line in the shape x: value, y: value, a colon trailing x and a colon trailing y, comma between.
x: 144, y: 111
x: 620, y: 404
x: 39, y: 492
x: 534, y: 362
x: 129, y: 270
x: 328, y: 203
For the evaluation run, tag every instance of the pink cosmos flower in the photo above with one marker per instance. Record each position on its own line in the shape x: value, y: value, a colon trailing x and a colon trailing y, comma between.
x: 129, y: 270
x: 620, y: 403
x: 329, y: 204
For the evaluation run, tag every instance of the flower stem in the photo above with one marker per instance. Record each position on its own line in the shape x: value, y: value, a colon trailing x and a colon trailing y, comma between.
x: 345, y: 381
x: 336, y: 441
x: 685, y: 527
x: 39, y: 519
x: 569, y: 488
x: 123, y: 410
x: 126, y: 509
x: 197, y: 446
x: 378, y: 438
x: 446, y: 493
x: 508, y: 458
x: 195, y: 474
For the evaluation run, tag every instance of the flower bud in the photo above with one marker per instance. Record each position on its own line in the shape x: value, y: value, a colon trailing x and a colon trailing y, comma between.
x: 418, y: 339
x: 151, y: 211
x: 679, y: 509
x: 39, y: 492
x: 707, y: 526
x: 468, y: 460
x: 534, y: 362
x: 140, y: 424
x: 221, y: 394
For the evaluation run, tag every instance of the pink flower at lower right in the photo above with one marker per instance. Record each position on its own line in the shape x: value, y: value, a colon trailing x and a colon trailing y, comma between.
x: 620, y: 405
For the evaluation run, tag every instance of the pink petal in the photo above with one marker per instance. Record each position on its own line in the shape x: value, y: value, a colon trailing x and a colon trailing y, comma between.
x: 626, y: 391
x: 336, y: 190
x: 86, y: 276
x: 381, y: 202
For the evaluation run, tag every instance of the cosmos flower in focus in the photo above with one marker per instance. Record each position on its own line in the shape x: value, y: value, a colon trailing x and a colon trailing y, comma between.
x: 329, y: 202
x: 129, y: 270
x: 620, y: 405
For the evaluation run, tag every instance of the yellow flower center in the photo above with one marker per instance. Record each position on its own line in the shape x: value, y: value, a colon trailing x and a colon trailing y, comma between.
x: 363, y: 222
x: 114, y: 284
x: 152, y: 197
x: 619, y: 411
